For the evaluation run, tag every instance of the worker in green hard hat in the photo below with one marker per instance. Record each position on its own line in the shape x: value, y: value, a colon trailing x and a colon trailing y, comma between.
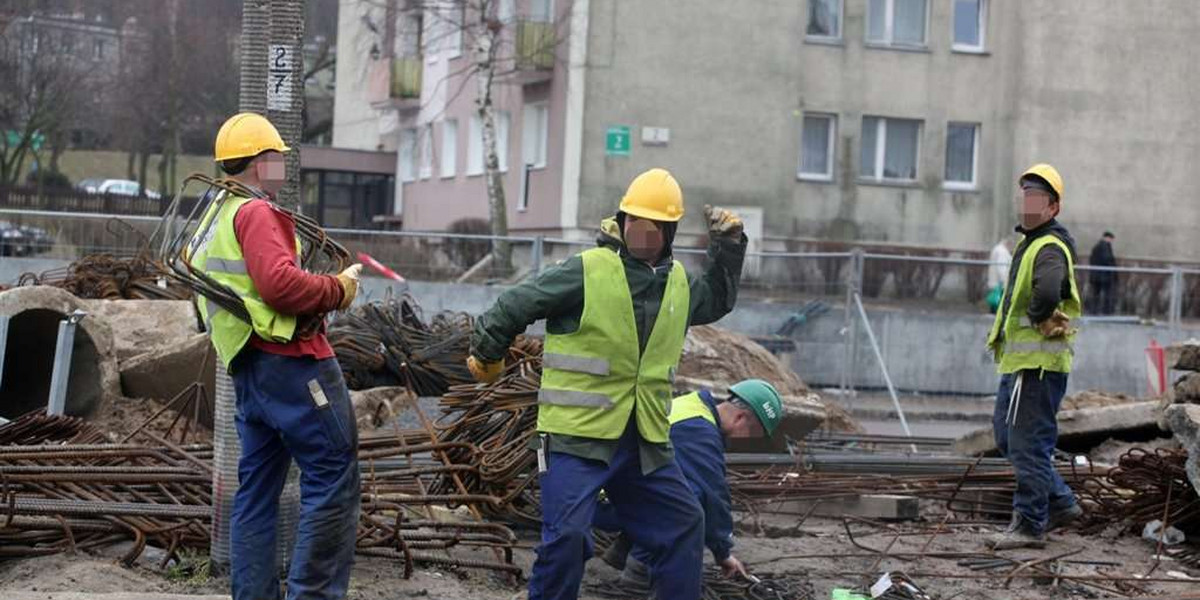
x: 700, y: 424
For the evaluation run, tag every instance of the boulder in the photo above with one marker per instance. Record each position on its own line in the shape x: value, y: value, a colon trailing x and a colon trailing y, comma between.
x: 164, y: 372
x: 1184, y: 421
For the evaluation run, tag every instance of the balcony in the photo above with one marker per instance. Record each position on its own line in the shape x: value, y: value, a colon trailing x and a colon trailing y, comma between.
x: 536, y: 42
x: 396, y: 82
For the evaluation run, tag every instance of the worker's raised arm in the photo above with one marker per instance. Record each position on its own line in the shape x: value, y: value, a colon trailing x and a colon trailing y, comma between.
x: 268, y: 240
x: 714, y: 292
x: 555, y: 291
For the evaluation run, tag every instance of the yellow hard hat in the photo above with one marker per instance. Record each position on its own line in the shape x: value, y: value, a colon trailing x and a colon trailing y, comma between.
x: 247, y: 134
x: 1049, y: 174
x: 654, y: 195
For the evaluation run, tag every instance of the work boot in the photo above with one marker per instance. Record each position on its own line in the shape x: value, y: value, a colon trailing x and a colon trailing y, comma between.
x: 1019, y: 534
x: 1063, y: 517
x: 615, y: 555
x: 635, y: 577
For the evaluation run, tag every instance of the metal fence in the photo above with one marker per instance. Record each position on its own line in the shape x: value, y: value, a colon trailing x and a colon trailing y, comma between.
x: 908, y: 277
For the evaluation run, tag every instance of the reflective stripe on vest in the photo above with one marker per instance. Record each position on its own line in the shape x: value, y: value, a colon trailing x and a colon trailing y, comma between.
x: 594, y: 378
x: 1020, y: 345
x: 215, y: 250
x: 690, y: 406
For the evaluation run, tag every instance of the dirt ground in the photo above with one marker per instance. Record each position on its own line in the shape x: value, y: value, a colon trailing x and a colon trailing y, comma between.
x: 820, y: 548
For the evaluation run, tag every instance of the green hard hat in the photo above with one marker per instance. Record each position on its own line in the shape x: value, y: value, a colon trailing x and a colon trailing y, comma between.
x: 763, y: 400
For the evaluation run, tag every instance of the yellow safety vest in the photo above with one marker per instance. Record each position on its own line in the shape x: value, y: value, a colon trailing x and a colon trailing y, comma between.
x: 690, y: 406
x: 594, y: 377
x: 1022, y: 346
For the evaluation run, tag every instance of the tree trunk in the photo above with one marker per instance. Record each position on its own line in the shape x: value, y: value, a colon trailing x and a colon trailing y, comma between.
x: 143, y: 160
x: 485, y: 74
x: 129, y: 173
x: 287, y: 29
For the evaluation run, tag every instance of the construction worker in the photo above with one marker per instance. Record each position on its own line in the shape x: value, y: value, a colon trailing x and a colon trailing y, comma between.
x: 616, y: 316
x: 1031, y: 340
x: 700, y: 424
x: 292, y: 402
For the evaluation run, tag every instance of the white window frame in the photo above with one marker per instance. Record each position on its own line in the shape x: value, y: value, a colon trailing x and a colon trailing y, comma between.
x: 503, y: 127
x: 455, y: 17
x: 449, y: 166
x: 889, y: 28
x: 408, y: 146
x: 549, y: 8
x: 963, y: 185
x: 837, y: 37
x: 881, y: 151
x: 475, y: 146
x: 542, y: 110
x: 830, y: 148
x: 983, y: 20
x: 425, y: 168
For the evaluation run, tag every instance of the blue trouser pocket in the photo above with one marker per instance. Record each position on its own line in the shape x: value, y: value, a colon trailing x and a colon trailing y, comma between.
x: 332, y: 402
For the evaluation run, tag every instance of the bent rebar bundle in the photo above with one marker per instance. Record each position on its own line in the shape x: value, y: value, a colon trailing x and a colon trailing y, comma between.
x: 318, y: 252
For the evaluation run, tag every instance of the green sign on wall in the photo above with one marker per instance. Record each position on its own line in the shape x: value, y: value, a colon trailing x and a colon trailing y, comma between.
x: 616, y: 143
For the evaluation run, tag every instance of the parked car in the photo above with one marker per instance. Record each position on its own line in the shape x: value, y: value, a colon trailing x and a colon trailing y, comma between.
x: 22, y: 240
x: 118, y: 187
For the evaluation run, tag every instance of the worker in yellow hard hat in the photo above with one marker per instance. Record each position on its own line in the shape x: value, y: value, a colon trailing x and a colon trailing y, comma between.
x: 292, y: 402
x: 1032, y: 340
x: 616, y: 317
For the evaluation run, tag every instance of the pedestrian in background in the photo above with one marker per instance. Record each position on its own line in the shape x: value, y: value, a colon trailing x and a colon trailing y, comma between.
x: 1103, y: 293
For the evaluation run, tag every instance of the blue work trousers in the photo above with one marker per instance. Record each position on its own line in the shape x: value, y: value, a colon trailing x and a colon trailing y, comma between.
x: 1025, y: 426
x: 657, y: 511
x: 294, y: 408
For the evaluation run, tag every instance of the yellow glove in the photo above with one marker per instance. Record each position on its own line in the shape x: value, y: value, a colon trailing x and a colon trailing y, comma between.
x: 349, y: 281
x: 722, y: 222
x: 1058, y: 325
x: 485, y: 372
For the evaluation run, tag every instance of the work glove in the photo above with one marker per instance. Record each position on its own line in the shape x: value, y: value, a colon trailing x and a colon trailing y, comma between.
x: 732, y: 566
x: 485, y: 372
x: 349, y: 281
x: 1057, y: 326
x: 722, y: 222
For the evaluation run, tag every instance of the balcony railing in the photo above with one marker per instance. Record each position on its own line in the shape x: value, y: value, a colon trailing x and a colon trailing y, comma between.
x: 535, y: 45
x: 406, y: 77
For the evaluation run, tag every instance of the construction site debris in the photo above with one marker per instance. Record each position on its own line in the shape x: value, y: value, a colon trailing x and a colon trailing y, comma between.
x: 1184, y: 356
x: 1144, y: 486
x: 376, y: 407
x: 1111, y: 450
x: 106, y: 277
x: 1184, y: 422
x: 141, y: 326
x: 166, y: 371
x: 1095, y: 399
x: 1106, y: 421
x: 722, y: 358
x: 388, y: 343
x: 1187, y: 389
x: 34, y: 314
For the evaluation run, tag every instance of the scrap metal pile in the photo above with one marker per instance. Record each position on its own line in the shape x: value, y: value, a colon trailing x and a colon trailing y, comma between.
x: 388, y: 343
x: 107, y: 277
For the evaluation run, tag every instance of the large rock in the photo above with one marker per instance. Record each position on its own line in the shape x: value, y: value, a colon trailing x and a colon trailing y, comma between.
x: 1089, y: 422
x: 1184, y: 421
x: 164, y: 372
x: 1187, y: 389
x: 34, y: 315
x: 140, y: 326
x: 1184, y: 356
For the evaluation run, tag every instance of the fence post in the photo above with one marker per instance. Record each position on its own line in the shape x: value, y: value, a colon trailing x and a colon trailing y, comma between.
x: 538, y: 247
x: 1175, y: 318
x: 854, y: 277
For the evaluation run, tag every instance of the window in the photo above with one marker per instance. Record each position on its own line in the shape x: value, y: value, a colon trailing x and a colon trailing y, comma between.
x: 68, y: 43
x: 970, y: 17
x: 889, y: 149
x: 449, y: 147
x: 475, y: 157
x: 427, y: 151
x: 962, y: 150
x: 455, y: 17
x: 896, y: 22
x: 98, y: 50
x: 816, y: 147
x: 535, y: 128
x: 541, y: 11
x: 824, y: 19
x: 408, y: 155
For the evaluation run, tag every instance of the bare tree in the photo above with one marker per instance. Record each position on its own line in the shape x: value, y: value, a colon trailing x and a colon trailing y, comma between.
x: 499, y: 51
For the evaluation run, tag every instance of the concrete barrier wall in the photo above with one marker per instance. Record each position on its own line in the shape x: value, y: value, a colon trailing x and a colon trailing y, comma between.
x: 924, y: 350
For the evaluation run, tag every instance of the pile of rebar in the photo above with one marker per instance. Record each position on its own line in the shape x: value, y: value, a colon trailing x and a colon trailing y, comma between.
x: 387, y: 343
x: 106, y: 277
x: 1144, y: 486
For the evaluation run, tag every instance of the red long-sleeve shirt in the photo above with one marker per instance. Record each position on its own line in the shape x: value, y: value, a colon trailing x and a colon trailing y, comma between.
x: 268, y: 240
